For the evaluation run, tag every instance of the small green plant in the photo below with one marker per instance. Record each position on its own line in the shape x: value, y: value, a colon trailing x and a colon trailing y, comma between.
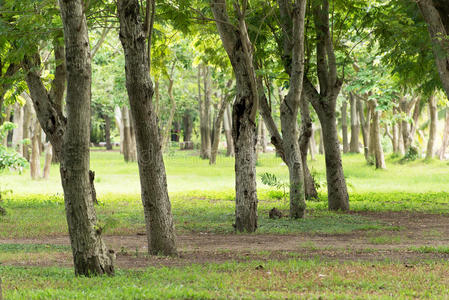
x: 272, y: 181
x: 412, y: 154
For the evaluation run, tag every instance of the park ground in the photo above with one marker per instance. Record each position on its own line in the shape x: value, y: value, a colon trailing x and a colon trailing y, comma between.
x: 393, y: 244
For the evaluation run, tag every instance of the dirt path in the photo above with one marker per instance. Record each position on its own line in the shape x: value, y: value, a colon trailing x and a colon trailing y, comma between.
x: 416, y: 230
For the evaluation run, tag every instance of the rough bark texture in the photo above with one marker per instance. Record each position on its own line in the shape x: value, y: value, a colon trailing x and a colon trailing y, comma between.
x: 129, y: 152
x: 238, y: 47
x: 344, y: 126
x: 407, y: 128
x: 217, y: 131
x: 89, y: 252
x: 432, y: 127
x: 355, y: 126
x: 324, y: 103
x: 153, y: 180
x: 438, y: 28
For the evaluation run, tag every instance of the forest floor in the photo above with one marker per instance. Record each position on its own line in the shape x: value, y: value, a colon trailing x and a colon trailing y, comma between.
x: 393, y: 244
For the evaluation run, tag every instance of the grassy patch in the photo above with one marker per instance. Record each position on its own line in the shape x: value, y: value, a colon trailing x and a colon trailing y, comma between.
x: 385, y: 240
x: 431, y: 249
x: 269, y: 280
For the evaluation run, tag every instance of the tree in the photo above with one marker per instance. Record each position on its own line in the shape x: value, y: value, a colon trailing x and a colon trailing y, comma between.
x: 157, y: 208
x: 239, y: 49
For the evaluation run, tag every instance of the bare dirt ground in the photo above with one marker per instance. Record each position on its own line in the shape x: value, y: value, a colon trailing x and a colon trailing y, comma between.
x: 416, y: 230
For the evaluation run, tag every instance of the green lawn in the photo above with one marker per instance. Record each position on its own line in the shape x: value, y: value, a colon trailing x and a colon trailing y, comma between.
x: 202, y: 200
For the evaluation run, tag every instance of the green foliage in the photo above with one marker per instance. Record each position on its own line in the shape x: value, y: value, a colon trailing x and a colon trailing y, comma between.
x: 9, y: 158
x: 412, y: 154
x: 271, y: 180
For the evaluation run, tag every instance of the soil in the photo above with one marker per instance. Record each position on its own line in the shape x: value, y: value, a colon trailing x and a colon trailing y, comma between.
x: 415, y: 230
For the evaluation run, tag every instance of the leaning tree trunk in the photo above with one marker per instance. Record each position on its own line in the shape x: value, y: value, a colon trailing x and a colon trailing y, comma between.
x: 107, y: 131
x: 238, y: 47
x: 355, y: 126
x: 344, y: 126
x: 153, y: 180
x: 432, y: 127
x: 89, y: 252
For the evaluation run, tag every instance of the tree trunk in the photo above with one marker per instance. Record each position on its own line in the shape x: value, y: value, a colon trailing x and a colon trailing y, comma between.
x: 321, y: 144
x: 27, y: 125
x: 89, y: 252
x: 365, y: 128
x: 107, y: 131
x: 119, y: 124
x: 168, y: 126
x: 344, y: 126
x: 187, y: 126
x: 375, y: 142
x: 305, y: 138
x: 263, y: 140
x: 128, y: 147
x: 48, y: 158
x: 406, y: 107
x: 35, y: 162
x: 312, y: 144
x: 153, y: 180
x: 355, y: 126
x: 217, y: 130
x: 432, y: 127
x: 205, y: 130
x: 395, y: 137
x: 440, y: 41
x: 238, y: 48
x: 17, y: 135
x: 228, y: 131
x: 445, y: 137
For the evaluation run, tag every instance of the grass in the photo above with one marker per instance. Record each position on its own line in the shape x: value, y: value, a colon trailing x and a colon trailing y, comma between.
x: 202, y: 199
x: 291, y: 279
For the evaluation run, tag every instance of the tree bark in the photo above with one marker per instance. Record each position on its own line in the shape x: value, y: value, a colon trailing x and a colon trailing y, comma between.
x: 48, y: 159
x: 238, y: 47
x: 439, y: 35
x: 355, y: 126
x: 89, y: 252
x: 17, y: 135
x: 365, y: 127
x: 344, y: 126
x: 375, y: 142
x: 187, y: 126
x: 129, y: 153
x: 107, y: 131
x: 205, y: 130
x: 27, y: 125
x: 395, y: 136
x: 168, y: 126
x: 432, y: 127
x: 153, y: 180
x: 406, y: 107
x: 119, y: 124
x: 217, y: 130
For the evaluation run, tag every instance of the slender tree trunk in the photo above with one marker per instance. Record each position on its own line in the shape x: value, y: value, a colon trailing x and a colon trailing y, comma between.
x: 355, y: 126
x: 128, y: 147
x: 35, y: 165
x: 375, y: 143
x: 153, y: 180
x: 27, y: 126
x: 395, y: 137
x: 17, y: 135
x: 168, y: 126
x: 321, y: 144
x: 344, y: 126
x: 445, y: 142
x: 312, y: 144
x: 238, y: 47
x: 217, y: 130
x: 107, y: 131
x: 365, y: 128
x: 205, y: 119
x: 119, y: 124
x: 432, y: 127
x: 228, y: 131
x: 263, y: 140
x: 89, y: 252
x: 48, y: 158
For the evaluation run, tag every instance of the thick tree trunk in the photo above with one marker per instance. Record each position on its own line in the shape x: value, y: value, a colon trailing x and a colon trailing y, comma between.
x: 35, y: 162
x: 355, y: 126
x: 445, y: 142
x: 228, y: 131
x: 344, y: 126
x: 89, y: 252
x: 153, y: 180
x: 238, y: 47
x: 432, y: 127
x: 107, y: 131
x: 17, y: 134
x: 48, y: 158
x: 439, y: 35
